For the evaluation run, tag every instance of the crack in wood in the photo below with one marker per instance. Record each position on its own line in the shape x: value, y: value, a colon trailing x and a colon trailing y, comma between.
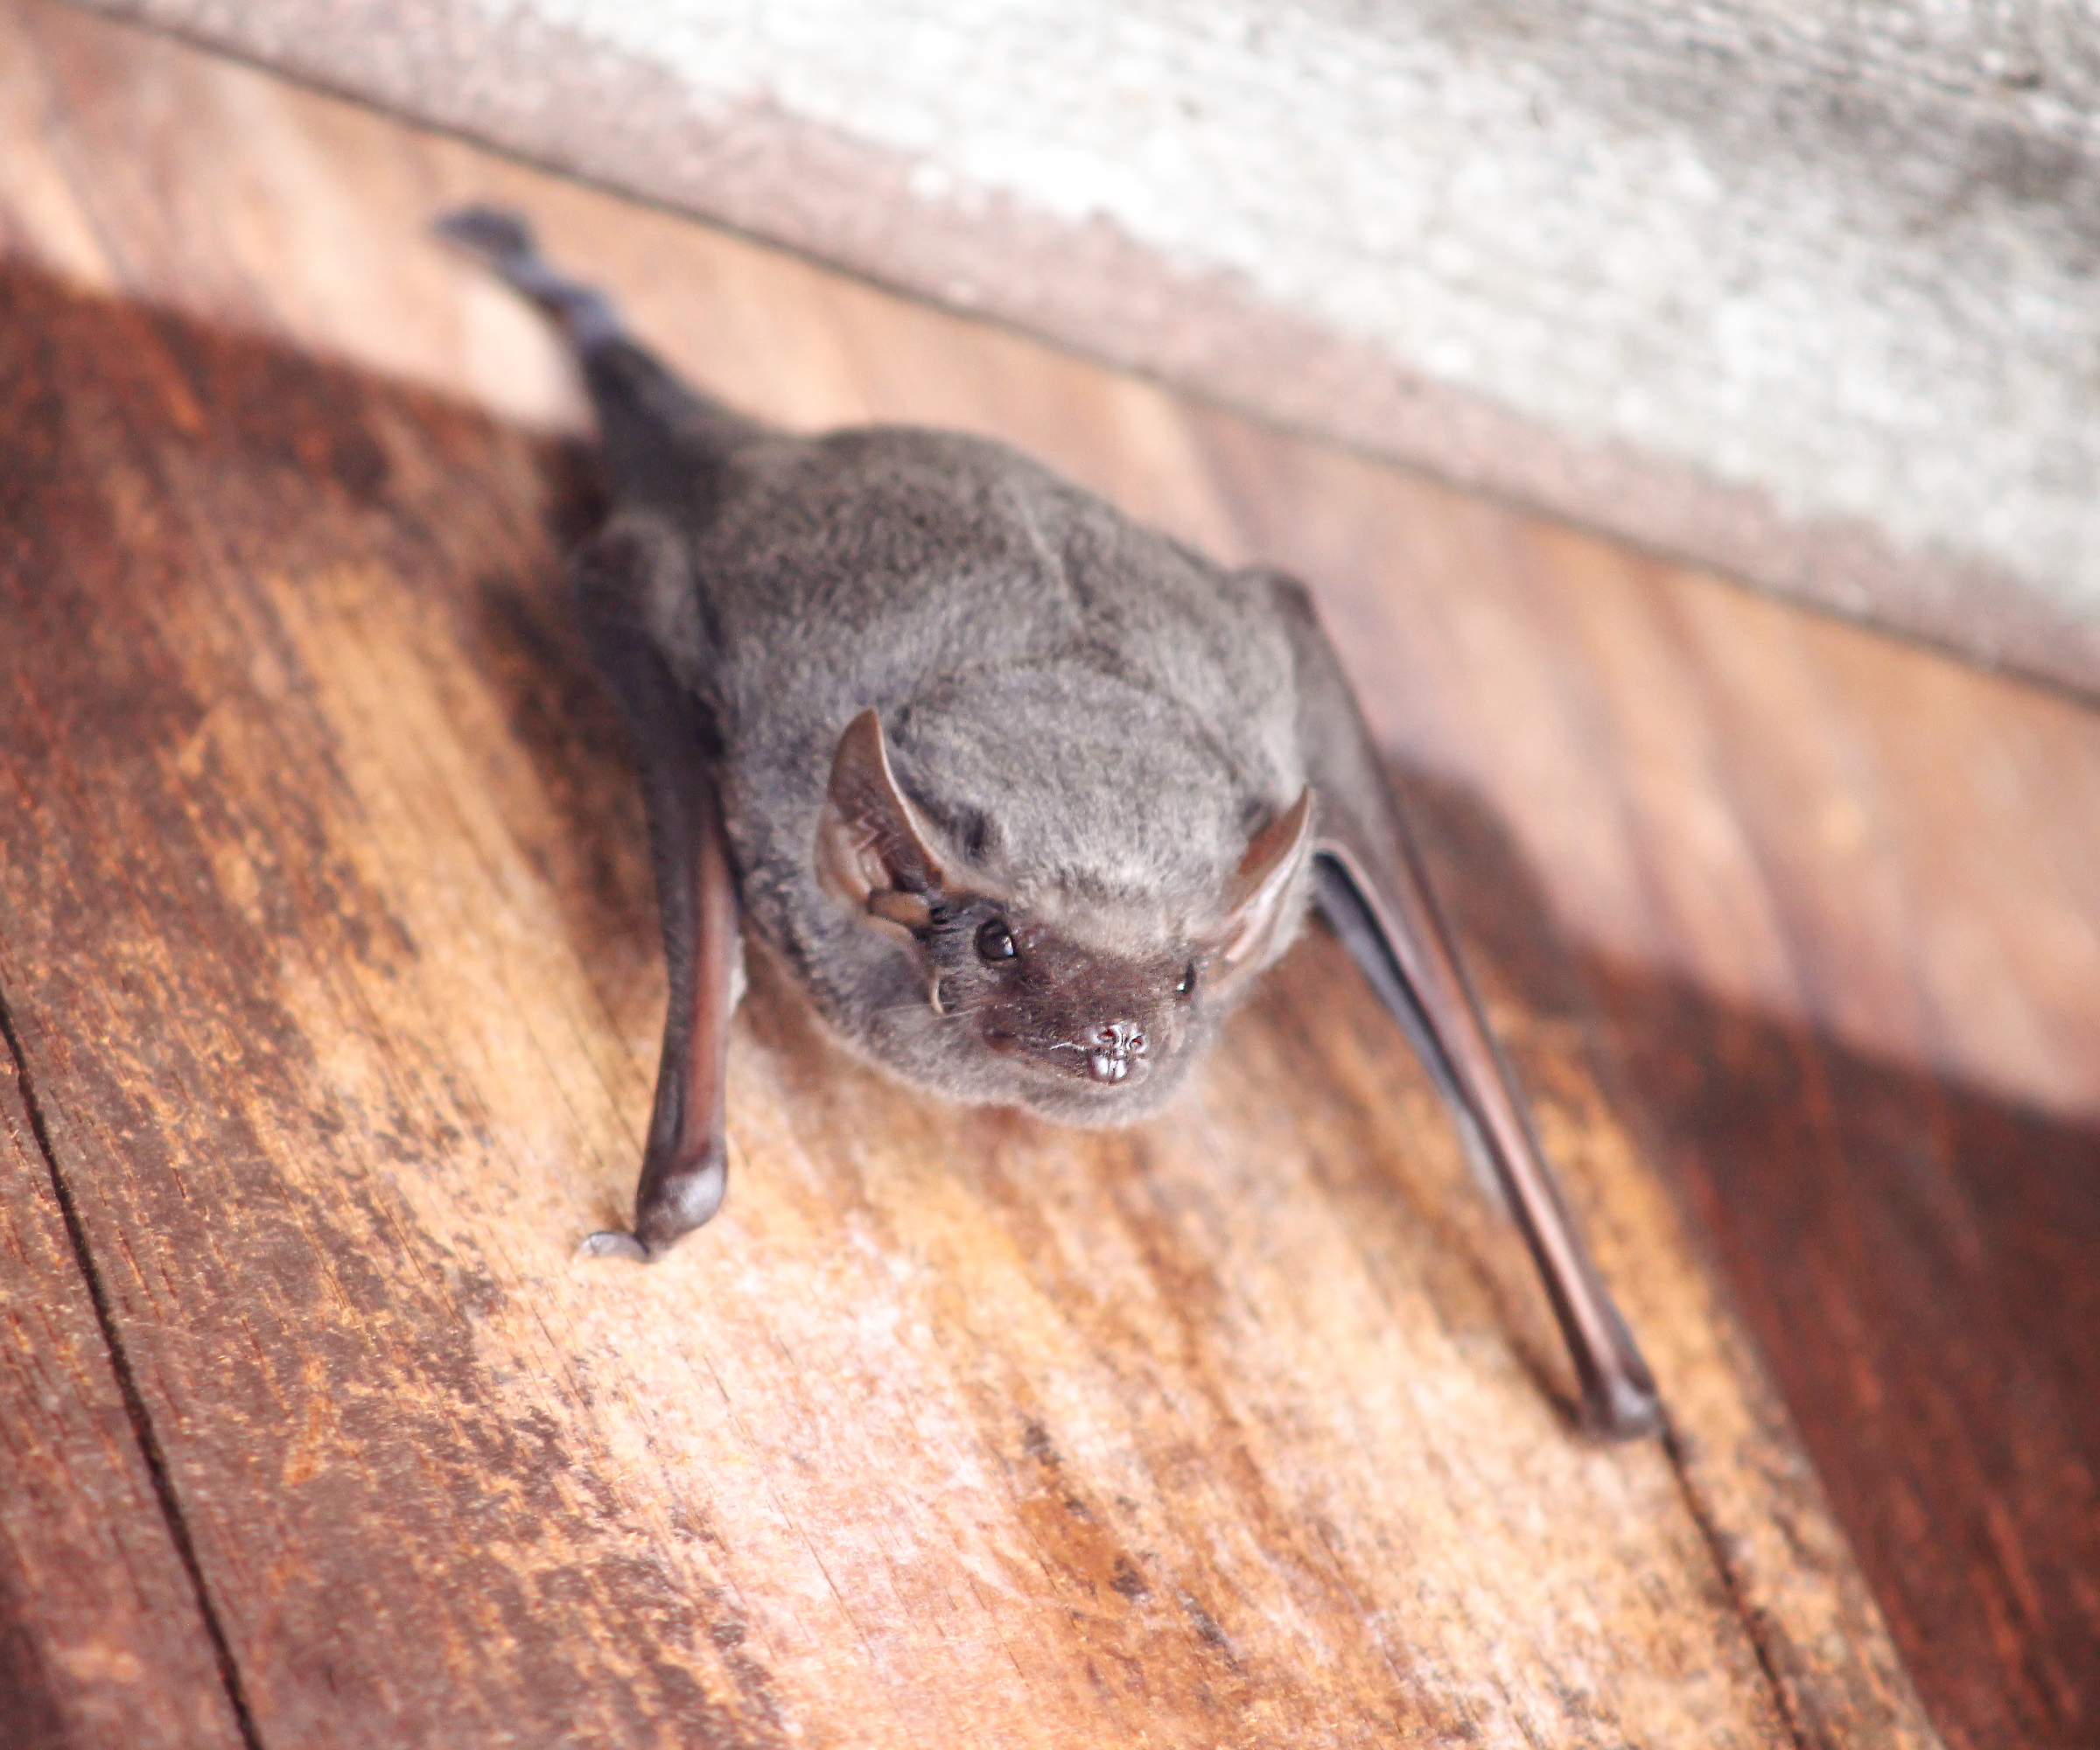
x: 1739, y: 1599
x: 127, y: 1385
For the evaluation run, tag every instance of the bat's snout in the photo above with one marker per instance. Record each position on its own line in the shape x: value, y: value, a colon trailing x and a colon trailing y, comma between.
x: 1114, y: 1047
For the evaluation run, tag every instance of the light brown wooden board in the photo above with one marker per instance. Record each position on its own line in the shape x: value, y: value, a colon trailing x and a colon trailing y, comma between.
x: 326, y: 931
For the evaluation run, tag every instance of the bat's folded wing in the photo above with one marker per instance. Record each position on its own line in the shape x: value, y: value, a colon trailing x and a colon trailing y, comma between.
x: 1369, y: 886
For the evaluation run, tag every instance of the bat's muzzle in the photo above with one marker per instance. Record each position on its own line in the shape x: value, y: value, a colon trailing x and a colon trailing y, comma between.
x: 1117, y: 1047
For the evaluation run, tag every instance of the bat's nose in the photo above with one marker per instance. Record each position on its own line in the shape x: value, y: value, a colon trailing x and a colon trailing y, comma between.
x: 1115, y: 1044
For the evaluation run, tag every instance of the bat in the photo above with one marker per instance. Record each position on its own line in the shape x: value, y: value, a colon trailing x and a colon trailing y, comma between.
x: 1024, y: 794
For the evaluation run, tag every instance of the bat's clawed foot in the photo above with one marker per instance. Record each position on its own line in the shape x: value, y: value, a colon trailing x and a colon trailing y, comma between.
x: 673, y: 1200
x: 611, y: 1242
x: 1620, y: 1406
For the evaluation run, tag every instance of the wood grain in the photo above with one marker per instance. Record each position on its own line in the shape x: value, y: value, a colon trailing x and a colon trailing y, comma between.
x: 325, y: 930
x: 103, y: 1636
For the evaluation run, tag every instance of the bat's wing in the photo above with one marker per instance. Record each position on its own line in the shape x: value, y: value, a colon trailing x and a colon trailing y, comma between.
x: 1369, y: 884
x: 685, y: 1165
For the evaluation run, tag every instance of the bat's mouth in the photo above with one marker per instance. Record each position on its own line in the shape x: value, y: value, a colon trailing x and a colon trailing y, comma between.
x: 1114, y: 1058
x: 1090, y: 1081
x: 1114, y: 1054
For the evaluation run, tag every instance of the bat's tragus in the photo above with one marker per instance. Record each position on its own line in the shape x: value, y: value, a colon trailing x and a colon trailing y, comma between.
x: 978, y: 757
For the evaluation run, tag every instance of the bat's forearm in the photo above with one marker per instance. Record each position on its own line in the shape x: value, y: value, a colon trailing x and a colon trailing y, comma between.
x: 1387, y: 918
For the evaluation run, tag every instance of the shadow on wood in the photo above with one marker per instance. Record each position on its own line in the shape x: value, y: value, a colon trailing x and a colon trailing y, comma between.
x: 1916, y: 1260
x: 31, y: 1713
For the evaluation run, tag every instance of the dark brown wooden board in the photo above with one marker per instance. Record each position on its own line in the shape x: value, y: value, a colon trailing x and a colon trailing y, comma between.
x: 325, y: 926
x: 1919, y: 1256
x: 103, y: 1639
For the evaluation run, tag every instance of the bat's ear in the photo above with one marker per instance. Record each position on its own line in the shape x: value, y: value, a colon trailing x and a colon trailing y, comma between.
x: 1256, y: 901
x: 874, y: 852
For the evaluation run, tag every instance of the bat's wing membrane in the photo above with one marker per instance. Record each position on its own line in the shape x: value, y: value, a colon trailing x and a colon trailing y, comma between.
x: 1369, y: 886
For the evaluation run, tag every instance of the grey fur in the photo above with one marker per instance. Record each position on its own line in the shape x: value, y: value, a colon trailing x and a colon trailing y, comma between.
x: 1096, y: 720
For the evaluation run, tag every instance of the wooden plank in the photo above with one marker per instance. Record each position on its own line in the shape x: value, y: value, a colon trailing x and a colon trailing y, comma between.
x: 954, y: 1427
x: 102, y: 1640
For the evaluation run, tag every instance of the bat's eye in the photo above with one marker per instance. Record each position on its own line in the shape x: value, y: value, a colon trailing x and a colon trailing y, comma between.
x: 995, y: 941
x: 1185, y: 986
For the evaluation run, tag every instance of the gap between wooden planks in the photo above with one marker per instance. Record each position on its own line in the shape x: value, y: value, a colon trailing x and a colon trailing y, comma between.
x: 328, y: 944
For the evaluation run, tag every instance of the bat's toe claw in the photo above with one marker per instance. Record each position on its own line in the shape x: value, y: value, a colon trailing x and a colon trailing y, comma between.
x: 612, y: 1244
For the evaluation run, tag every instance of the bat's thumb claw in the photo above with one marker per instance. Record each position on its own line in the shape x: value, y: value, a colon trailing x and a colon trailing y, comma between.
x: 612, y: 1245
x: 1623, y: 1406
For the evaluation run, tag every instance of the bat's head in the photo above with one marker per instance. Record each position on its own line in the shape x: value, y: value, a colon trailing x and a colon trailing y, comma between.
x: 1078, y: 1006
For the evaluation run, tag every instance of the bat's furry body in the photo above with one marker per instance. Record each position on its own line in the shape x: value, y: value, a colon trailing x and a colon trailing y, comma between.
x: 1024, y: 793
x: 1095, y: 721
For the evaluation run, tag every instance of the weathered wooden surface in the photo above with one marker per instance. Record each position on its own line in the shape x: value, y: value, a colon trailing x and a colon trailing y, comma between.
x: 101, y: 1637
x: 324, y: 929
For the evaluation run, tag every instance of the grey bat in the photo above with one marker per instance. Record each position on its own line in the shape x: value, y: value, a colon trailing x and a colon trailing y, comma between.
x: 1025, y: 794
